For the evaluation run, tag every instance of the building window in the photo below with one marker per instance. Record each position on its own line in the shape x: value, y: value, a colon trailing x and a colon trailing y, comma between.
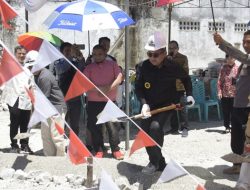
x: 189, y: 25
x: 240, y: 27
x: 220, y: 26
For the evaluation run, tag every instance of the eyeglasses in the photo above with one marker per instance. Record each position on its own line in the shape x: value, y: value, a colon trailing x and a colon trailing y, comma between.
x: 154, y: 55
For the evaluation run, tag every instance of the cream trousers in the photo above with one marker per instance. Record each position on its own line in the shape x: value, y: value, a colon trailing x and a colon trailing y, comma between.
x: 53, y: 142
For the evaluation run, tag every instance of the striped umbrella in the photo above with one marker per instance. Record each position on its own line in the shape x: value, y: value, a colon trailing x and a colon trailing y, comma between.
x: 84, y: 15
x: 33, y: 40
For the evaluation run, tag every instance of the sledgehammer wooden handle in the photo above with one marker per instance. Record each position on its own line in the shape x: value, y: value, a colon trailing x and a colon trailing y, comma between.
x: 159, y: 110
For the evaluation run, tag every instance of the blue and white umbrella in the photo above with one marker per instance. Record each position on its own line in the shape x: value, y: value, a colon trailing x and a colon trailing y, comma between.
x: 84, y: 15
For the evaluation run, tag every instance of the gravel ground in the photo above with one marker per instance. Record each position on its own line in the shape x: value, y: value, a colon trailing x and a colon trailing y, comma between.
x: 199, y: 154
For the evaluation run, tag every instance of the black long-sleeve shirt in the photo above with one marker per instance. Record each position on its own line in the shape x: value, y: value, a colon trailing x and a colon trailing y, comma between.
x: 158, y: 85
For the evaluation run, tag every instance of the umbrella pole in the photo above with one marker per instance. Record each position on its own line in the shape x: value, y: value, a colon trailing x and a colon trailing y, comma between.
x: 89, y: 41
x: 169, y: 22
x: 212, y: 9
x: 27, y: 19
x: 127, y: 79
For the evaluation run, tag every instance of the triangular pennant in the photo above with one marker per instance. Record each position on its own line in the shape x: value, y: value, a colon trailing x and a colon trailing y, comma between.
x: 7, y: 13
x: 47, y: 55
x: 107, y: 182
x: 59, y: 128
x: 110, y: 113
x: 171, y: 171
x: 33, y: 5
x: 43, y: 109
x: 166, y: 2
x: 79, y: 85
x: 9, y: 67
x: 77, y: 150
x: 31, y: 95
x: 200, y: 187
x: 141, y: 140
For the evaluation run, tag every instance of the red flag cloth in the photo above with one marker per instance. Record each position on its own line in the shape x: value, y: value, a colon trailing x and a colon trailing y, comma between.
x: 59, y: 128
x: 78, y: 86
x: 9, y: 67
x: 200, y: 187
x: 31, y: 95
x: 141, y: 140
x: 77, y: 150
x: 165, y: 2
x: 7, y: 13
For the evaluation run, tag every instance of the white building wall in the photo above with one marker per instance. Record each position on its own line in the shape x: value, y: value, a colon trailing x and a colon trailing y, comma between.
x: 197, y: 45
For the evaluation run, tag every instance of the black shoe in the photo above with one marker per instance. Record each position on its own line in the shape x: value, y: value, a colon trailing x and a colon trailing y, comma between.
x: 172, y: 131
x: 227, y: 130
x: 26, y: 149
x: 15, y: 149
x: 184, y: 132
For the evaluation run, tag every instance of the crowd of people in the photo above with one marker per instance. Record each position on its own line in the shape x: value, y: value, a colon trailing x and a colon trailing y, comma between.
x: 161, y: 80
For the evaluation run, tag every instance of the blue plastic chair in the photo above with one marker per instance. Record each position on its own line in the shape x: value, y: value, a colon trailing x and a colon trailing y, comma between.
x: 197, y: 105
x: 214, y: 92
x: 135, y: 105
x: 199, y: 90
x: 213, y: 89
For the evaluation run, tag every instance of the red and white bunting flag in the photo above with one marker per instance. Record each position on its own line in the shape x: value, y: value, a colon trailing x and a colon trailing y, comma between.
x: 110, y: 113
x: 9, y: 67
x: 7, y: 13
x: 31, y: 95
x: 59, y: 128
x: 106, y: 182
x: 33, y: 5
x: 77, y: 151
x: 47, y: 55
x: 79, y: 85
x: 141, y: 140
x: 200, y: 187
x: 166, y: 2
x: 43, y: 109
x: 171, y: 171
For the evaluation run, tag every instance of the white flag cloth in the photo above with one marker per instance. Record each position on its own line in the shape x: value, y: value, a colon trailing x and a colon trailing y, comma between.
x: 171, y: 171
x: 33, y: 5
x: 107, y: 182
x: 47, y: 55
x: 109, y: 113
x: 43, y: 109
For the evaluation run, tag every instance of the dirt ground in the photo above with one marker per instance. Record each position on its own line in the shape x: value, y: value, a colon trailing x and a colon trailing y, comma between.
x: 199, y: 154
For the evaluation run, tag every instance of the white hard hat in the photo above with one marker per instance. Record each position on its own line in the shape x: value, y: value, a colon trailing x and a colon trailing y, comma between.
x: 30, y: 59
x: 156, y: 41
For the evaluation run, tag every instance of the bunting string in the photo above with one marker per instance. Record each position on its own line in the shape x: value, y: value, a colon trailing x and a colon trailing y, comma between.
x: 99, y: 90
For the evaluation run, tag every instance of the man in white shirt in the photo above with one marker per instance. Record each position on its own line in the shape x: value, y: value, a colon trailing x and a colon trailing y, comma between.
x: 19, y: 104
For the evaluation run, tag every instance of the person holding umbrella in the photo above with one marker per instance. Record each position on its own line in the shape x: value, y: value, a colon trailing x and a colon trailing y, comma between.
x: 241, y: 107
x: 155, y: 86
x: 65, y: 73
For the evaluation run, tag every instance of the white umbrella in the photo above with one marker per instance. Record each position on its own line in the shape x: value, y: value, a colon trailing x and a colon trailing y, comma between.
x: 84, y: 15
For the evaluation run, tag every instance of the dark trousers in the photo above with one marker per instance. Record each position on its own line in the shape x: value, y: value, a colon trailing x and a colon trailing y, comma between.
x: 18, y: 118
x: 181, y: 113
x: 227, y: 109
x: 73, y: 114
x: 93, y: 109
x: 153, y: 126
x: 239, y: 119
